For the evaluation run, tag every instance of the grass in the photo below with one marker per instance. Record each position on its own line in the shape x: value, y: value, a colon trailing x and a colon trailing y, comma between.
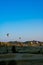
x: 7, y: 55
x: 27, y: 56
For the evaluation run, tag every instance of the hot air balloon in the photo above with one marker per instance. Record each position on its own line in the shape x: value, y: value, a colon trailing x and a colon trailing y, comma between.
x: 19, y: 37
x: 7, y: 34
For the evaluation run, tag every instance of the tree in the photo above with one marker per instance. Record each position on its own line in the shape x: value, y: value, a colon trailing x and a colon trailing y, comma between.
x: 13, y: 49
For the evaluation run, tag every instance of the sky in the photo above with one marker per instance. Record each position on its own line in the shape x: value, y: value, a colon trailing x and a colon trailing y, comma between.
x: 21, y: 18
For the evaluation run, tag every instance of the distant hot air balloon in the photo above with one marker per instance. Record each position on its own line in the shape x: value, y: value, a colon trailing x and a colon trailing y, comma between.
x: 19, y: 37
x: 7, y: 34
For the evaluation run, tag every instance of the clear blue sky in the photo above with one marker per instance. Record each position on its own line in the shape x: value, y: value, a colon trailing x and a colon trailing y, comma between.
x: 21, y: 18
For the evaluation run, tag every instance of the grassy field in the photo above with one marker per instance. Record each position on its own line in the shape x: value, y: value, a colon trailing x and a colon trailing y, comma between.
x: 21, y: 59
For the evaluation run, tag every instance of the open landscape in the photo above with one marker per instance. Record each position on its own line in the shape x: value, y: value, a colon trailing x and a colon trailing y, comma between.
x: 21, y: 32
x: 21, y: 53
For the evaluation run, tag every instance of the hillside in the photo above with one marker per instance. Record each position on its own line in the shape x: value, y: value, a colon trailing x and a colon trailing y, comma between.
x: 16, y: 43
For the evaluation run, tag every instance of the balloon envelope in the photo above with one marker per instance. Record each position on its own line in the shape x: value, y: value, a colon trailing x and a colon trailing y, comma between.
x: 7, y: 34
x: 19, y: 37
